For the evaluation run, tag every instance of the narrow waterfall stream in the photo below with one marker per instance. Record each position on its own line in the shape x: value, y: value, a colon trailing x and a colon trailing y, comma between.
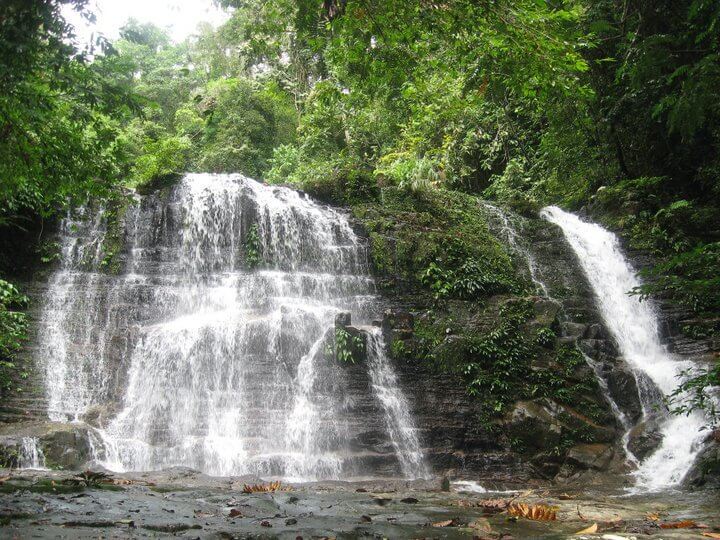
x: 510, y: 227
x: 634, y: 325
x: 31, y: 455
x: 208, y: 349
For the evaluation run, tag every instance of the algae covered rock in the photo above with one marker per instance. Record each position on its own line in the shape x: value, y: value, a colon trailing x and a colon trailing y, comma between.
x: 63, y: 445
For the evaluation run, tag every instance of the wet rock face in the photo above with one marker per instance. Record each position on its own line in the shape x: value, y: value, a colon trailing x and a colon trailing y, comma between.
x: 64, y: 446
x: 623, y: 387
x: 705, y: 473
x: 645, y: 437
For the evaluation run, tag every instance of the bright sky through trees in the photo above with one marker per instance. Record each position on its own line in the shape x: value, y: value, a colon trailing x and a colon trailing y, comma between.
x: 179, y: 17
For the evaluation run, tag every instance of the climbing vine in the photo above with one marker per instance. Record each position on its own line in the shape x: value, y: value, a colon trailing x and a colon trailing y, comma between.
x: 253, y: 247
x: 348, y: 348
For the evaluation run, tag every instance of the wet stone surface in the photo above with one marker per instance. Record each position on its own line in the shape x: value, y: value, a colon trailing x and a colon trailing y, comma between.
x: 183, y: 503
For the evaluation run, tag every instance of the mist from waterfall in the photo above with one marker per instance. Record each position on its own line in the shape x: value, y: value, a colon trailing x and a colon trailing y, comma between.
x: 196, y: 356
x: 635, y: 328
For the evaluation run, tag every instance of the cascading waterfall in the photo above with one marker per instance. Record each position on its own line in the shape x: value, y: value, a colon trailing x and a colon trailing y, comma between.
x: 634, y: 325
x: 208, y: 350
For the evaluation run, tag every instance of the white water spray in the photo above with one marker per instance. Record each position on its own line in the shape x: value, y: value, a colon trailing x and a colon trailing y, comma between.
x: 634, y: 325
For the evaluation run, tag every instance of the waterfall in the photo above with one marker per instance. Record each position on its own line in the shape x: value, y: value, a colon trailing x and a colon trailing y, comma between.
x: 31, y: 455
x: 397, y: 413
x: 209, y: 349
x: 634, y: 326
x: 511, y: 233
x: 511, y: 227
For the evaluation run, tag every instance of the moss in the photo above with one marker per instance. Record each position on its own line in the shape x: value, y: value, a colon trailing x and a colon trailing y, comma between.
x: 45, y: 485
x: 381, y: 254
x: 114, y: 240
x: 9, y: 457
x: 440, y: 242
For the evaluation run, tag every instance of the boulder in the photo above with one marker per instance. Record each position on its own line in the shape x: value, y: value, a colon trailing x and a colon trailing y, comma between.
x: 624, y: 391
x: 645, y: 437
x: 705, y: 472
x: 590, y: 456
x: 595, y: 331
x: 64, y: 445
x: 534, y: 426
x: 573, y: 330
x: 546, y: 311
x: 398, y: 323
x: 343, y: 319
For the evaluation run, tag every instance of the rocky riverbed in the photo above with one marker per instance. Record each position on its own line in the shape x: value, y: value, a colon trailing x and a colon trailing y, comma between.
x: 185, y: 503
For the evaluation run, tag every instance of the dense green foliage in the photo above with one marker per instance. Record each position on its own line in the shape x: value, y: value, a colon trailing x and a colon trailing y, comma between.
x: 12, y: 331
x: 58, y: 113
x: 438, y: 241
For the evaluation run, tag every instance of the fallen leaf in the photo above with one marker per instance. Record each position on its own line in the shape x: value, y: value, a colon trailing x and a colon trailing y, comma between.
x: 565, y: 497
x: 234, y: 512
x: 653, y: 516
x: 589, y: 530
x: 265, y: 488
x: 494, y: 505
x: 711, y: 535
x: 446, y: 523
x: 686, y: 524
x: 537, y: 512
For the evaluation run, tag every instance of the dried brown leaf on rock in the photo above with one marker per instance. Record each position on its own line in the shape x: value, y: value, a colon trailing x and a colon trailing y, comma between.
x: 711, y: 534
x: 686, y: 524
x: 653, y: 516
x: 265, y: 488
x: 489, y: 506
x: 537, y: 512
x: 589, y: 530
x: 494, y: 505
x: 446, y: 523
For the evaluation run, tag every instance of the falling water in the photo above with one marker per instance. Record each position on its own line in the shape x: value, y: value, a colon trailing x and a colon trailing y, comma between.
x: 31, y: 455
x: 397, y: 413
x: 509, y: 231
x: 511, y: 228
x: 634, y: 326
x: 208, y: 350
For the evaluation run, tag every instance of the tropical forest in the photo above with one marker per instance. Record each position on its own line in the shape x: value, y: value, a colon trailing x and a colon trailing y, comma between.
x: 343, y: 269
